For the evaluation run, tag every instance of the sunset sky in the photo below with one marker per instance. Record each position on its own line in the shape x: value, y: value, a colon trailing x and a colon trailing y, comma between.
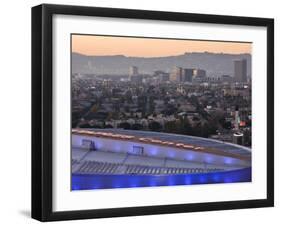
x: 148, y: 47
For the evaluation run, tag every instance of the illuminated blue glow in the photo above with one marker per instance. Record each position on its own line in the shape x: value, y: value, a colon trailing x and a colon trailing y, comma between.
x: 187, y: 180
x: 228, y: 180
x: 134, y: 182
x: 117, y: 185
x: 171, y: 154
x: 98, y: 144
x: 75, y: 187
x: 171, y: 180
x: 152, y: 151
x: 209, y: 159
x: 152, y: 183
x: 190, y: 157
x: 117, y: 147
x: 228, y: 161
x: 216, y: 178
x: 202, y: 179
x: 86, y: 182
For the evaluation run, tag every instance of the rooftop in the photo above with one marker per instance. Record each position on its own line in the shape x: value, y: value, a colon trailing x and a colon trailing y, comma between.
x: 167, y: 139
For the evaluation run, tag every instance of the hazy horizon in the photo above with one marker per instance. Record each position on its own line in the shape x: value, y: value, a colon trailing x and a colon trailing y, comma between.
x: 93, y: 45
x: 157, y: 56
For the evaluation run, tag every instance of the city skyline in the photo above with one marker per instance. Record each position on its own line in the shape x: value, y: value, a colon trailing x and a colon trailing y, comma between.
x: 93, y: 45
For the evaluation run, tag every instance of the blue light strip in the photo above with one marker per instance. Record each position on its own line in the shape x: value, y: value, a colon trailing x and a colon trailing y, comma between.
x: 89, y: 181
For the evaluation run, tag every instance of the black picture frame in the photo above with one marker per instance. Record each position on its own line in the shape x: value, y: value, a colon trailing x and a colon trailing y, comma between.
x: 42, y: 107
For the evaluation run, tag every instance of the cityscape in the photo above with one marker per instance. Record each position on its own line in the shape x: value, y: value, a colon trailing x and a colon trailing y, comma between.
x: 156, y: 107
x: 184, y: 101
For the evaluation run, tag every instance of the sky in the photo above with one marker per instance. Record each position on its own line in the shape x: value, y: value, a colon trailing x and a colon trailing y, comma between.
x: 150, y: 47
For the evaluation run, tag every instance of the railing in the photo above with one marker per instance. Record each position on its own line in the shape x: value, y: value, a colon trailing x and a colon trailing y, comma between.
x: 94, y: 167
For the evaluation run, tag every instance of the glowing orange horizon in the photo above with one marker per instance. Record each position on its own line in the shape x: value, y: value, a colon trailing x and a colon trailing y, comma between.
x: 151, y: 47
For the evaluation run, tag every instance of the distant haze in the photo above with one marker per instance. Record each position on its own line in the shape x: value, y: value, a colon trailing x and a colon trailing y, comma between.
x: 214, y: 63
x: 151, y: 47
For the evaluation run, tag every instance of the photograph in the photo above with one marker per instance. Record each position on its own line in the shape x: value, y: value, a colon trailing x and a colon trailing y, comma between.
x: 154, y: 111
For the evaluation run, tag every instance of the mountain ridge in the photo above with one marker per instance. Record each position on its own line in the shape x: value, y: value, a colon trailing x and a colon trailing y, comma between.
x: 216, y: 64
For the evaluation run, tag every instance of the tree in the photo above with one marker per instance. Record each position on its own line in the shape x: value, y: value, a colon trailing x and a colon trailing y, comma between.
x: 137, y: 126
x: 248, y: 138
x: 185, y: 127
x: 170, y: 127
x: 198, y: 130
x: 96, y: 126
x: 154, y: 126
x: 151, y: 105
x: 109, y: 116
x: 85, y: 125
x: 124, y: 125
x: 227, y: 125
x: 208, y: 129
x: 95, y: 108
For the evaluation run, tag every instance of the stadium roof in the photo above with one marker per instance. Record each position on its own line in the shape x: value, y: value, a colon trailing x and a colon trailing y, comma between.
x: 180, y: 141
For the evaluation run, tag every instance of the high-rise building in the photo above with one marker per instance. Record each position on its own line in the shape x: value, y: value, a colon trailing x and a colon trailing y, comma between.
x: 188, y: 74
x: 134, y: 75
x: 162, y: 76
x: 133, y: 70
x: 176, y: 74
x: 240, y: 70
x: 199, y: 73
x: 165, y: 77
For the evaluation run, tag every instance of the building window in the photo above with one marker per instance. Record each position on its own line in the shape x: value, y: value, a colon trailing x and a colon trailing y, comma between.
x: 88, y: 144
x: 137, y: 150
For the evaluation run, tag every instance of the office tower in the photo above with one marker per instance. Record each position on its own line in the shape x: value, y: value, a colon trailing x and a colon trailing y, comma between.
x: 162, y: 76
x: 240, y: 70
x: 199, y: 76
x: 134, y: 75
x: 188, y: 74
x: 133, y: 71
x: 199, y: 73
x: 176, y: 74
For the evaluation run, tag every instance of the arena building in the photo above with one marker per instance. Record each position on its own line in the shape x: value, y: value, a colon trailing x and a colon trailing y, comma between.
x: 108, y: 158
